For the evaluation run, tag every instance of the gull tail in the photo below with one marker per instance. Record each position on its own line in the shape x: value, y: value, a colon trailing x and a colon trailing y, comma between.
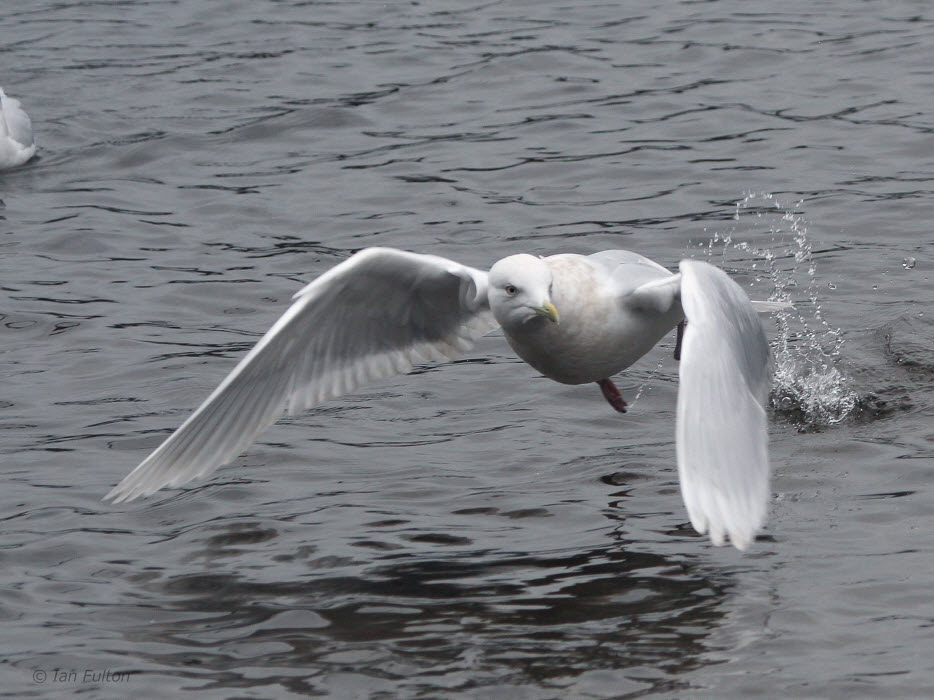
x: 722, y: 438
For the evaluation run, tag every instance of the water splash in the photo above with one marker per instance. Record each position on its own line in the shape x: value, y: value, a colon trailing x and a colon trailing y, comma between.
x: 810, y: 385
x: 644, y: 386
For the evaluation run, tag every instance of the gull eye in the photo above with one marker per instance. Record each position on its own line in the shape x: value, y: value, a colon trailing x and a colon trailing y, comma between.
x: 511, y: 290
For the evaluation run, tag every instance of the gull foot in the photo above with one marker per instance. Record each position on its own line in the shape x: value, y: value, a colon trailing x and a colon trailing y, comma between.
x: 612, y: 395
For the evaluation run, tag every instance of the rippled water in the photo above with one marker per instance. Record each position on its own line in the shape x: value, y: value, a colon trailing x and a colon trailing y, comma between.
x: 471, y: 530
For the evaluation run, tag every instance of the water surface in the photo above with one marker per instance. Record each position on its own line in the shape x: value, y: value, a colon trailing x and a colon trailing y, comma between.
x: 470, y: 530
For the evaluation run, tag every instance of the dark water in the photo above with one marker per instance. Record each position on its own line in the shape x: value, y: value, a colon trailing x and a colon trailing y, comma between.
x: 471, y: 530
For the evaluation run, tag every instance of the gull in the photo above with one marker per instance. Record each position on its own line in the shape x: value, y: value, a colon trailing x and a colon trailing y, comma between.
x: 16, y: 142
x: 577, y: 319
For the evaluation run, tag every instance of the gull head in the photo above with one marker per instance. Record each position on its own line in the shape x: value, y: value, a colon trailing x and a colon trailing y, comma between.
x: 520, y: 291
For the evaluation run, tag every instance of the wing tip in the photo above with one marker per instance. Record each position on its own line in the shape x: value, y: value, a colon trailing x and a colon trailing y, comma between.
x: 125, y: 491
x: 139, y: 482
x: 721, y: 534
x: 117, y: 495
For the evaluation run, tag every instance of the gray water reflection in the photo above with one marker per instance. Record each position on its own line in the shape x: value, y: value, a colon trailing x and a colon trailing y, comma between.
x: 464, y: 621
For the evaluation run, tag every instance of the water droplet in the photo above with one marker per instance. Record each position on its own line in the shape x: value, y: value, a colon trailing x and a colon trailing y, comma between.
x: 875, y: 286
x: 909, y: 262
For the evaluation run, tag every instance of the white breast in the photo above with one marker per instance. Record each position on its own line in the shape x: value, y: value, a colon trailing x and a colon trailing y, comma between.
x: 598, y: 335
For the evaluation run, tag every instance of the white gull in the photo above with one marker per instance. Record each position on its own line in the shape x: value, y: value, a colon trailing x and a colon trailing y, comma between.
x: 16, y: 142
x: 575, y: 318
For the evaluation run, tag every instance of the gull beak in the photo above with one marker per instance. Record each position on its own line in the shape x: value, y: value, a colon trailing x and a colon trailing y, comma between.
x: 548, y: 310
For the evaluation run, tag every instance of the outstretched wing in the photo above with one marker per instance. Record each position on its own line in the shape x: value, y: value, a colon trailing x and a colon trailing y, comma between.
x: 368, y: 318
x: 722, y: 438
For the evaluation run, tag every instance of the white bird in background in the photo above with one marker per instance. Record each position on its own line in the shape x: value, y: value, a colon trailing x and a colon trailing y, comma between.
x: 16, y: 142
x: 574, y: 318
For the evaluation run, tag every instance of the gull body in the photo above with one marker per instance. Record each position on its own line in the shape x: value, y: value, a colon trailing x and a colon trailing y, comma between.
x: 16, y: 141
x: 574, y: 318
x: 599, y: 334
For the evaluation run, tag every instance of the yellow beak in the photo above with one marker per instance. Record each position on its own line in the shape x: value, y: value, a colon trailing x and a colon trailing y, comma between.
x: 549, y: 311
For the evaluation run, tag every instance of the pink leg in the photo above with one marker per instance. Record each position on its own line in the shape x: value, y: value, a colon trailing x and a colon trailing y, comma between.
x: 612, y: 395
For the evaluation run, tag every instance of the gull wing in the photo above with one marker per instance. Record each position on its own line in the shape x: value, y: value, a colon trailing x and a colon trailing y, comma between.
x: 660, y: 296
x: 629, y: 271
x: 16, y: 142
x: 17, y: 121
x: 722, y: 438
x: 368, y: 318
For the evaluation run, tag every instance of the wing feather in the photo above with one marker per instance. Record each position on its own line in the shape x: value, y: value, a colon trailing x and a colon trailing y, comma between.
x: 368, y: 318
x: 17, y: 121
x: 722, y: 437
x: 16, y: 142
